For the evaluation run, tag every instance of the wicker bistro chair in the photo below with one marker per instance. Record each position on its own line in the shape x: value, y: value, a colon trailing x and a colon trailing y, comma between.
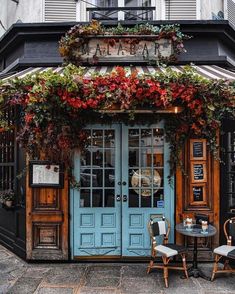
x: 225, y: 251
x: 161, y: 227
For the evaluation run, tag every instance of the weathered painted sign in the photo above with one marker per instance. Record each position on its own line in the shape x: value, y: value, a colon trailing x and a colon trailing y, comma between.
x: 125, y: 49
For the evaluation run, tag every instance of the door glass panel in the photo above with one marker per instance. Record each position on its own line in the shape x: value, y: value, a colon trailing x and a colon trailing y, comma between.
x: 145, y: 181
x: 85, y: 177
x: 158, y: 137
x: 229, y: 175
x: 145, y: 201
x: 109, y: 178
x: 109, y: 198
x: 134, y: 138
x: 97, y: 178
x: 97, y: 158
x: 134, y: 157
x: 88, y: 136
x: 97, y: 170
x: 158, y: 159
x: 97, y: 198
x: 146, y: 157
x: 158, y: 199
x: 85, y: 198
x: 86, y: 158
x: 97, y: 138
x: 133, y: 198
x: 109, y: 157
x: 109, y: 139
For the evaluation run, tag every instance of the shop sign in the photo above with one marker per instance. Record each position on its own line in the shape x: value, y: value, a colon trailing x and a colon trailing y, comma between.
x: 125, y: 49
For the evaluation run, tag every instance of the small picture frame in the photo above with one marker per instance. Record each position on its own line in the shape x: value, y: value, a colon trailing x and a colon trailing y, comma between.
x: 197, y: 149
x: 45, y: 174
x: 198, y: 172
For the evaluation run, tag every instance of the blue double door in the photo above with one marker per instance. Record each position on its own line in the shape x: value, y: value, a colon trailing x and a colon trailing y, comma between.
x: 123, y: 182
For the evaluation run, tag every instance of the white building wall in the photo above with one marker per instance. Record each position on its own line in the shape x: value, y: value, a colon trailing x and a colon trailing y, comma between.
x: 27, y: 11
x: 3, y: 16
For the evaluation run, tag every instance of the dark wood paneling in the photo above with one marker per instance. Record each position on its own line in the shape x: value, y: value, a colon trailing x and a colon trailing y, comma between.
x: 185, y: 206
x: 47, y: 223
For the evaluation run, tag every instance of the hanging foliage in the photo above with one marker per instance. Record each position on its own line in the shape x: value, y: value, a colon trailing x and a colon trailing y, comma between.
x: 54, y: 108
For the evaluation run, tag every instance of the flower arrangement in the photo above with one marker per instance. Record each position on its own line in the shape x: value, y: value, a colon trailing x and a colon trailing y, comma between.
x: 7, y: 197
x: 78, y: 36
x: 54, y: 109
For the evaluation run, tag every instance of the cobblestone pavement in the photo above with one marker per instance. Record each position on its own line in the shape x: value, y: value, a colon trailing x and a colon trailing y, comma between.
x: 17, y: 276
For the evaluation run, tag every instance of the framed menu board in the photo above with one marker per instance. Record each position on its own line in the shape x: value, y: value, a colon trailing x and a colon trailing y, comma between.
x: 197, y: 149
x: 198, y: 193
x: 45, y: 174
x: 198, y: 172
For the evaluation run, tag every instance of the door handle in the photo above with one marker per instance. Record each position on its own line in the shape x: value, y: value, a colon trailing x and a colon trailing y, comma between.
x: 124, y: 198
x: 118, y: 198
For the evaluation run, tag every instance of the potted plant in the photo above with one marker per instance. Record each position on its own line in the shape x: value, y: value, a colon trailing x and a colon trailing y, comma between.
x: 7, y: 197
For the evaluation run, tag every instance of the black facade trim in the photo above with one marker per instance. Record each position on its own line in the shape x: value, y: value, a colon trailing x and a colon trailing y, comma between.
x: 36, y: 44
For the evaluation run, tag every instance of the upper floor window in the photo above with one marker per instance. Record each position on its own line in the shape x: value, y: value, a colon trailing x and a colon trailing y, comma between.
x: 121, y: 10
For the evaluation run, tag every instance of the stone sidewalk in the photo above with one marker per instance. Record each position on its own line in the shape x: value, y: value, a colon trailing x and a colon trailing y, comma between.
x: 19, y: 277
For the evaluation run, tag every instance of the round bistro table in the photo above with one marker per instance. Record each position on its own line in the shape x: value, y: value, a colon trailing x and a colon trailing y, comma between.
x: 196, y: 233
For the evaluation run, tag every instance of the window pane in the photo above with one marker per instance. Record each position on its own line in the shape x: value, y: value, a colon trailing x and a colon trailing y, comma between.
x: 85, y: 177
x: 158, y: 199
x: 97, y: 178
x: 109, y: 178
x: 97, y: 198
x: 109, y: 198
x: 146, y: 137
x: 146, y: 200
x: 97, y: 158
x: 104, y: 14
x: 97, y: 138
x: 134, y: 138
x: 109, y: 138
x: 133, y: 198
x: 141, y: 14
x: 85, y: 198
x: 86, y: 158
x: 134, y: 157
x: 146, y: 157
x: 109, y: 157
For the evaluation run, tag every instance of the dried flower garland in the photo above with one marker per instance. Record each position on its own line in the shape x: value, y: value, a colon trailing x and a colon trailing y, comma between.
x: 78, y: 36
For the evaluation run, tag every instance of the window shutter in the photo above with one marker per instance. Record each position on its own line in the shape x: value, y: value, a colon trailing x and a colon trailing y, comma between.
x: 231, y: 11
x: 60, y: 10
x: 181, y: 9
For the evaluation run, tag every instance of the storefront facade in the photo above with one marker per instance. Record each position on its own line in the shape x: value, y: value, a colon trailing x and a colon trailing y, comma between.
x: 123, y: 173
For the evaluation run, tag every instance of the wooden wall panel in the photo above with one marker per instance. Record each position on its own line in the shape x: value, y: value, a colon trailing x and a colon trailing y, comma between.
x: 47, y: 223
x: 186, y: 206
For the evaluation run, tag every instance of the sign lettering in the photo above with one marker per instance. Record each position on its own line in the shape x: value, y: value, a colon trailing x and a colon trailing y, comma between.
x: 125, y: 50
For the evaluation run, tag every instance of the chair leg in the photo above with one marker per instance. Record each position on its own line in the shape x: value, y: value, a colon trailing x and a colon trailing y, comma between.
x: 150, y: 265
x: 184, y: 265
x: 226, y: 265
x: 165, y: 270
x: 153, y: 255
x: 215, y: 267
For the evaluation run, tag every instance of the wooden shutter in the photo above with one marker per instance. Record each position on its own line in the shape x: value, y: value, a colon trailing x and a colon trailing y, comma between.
x: 59, y: 10
x: 181, y: 9
x: 231, y: 11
